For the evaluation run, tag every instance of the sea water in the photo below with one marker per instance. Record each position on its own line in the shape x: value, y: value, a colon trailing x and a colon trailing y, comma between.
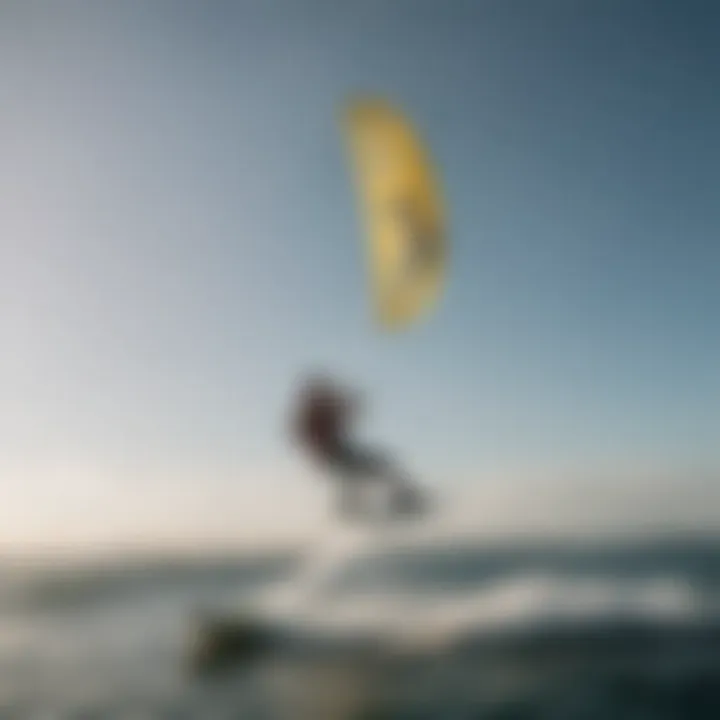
x: 552, y: 631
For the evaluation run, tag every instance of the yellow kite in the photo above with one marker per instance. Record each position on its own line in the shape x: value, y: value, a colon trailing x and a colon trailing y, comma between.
x: 404, y: 218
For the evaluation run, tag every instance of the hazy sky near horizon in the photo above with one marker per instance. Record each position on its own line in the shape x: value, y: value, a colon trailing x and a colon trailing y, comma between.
x: 179, y: 239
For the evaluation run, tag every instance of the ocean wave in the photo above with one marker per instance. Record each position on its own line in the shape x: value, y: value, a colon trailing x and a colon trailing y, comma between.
x: 484, y: 633
x: 457, y: 585
x: 524, y: 603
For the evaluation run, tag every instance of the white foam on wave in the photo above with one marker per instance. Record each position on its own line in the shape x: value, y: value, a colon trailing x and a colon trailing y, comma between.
x: 424, y: 609
x: 521, y: 601
x: 533, y: 599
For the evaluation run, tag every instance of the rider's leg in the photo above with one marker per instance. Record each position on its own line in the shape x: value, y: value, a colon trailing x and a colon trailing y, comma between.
x: 360, y: 468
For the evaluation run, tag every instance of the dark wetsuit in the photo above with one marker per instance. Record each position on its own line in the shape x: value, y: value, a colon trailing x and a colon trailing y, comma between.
x: 321, y: 425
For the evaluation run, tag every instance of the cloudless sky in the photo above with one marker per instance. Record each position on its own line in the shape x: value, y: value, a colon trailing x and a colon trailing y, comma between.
x: 179, y: 240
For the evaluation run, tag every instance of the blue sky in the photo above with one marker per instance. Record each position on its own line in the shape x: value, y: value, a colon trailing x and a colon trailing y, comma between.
x: 179, y: 239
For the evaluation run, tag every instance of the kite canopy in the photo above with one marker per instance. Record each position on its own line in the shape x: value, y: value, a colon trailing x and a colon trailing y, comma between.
x: 403, y: 213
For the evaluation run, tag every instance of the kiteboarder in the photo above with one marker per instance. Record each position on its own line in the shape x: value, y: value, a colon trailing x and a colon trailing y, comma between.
x: 321, y: 425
